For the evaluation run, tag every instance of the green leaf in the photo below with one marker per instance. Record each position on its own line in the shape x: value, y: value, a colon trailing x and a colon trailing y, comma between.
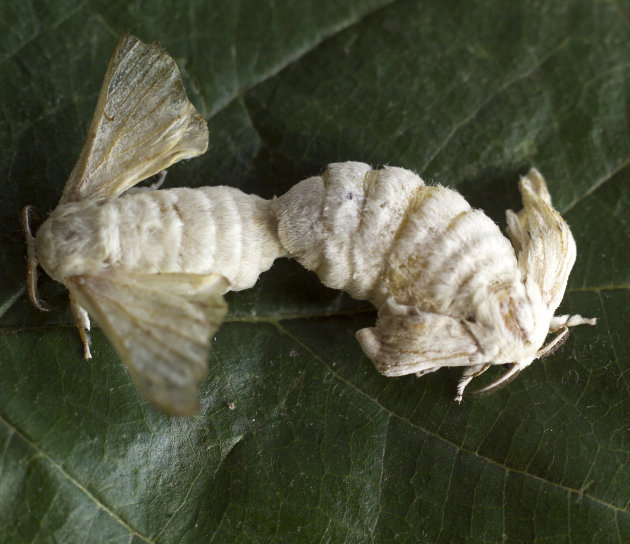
x: 319, y: 447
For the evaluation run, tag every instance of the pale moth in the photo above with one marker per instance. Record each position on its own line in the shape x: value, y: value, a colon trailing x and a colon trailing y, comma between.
x: 150, y: 267
x: 450, y: 289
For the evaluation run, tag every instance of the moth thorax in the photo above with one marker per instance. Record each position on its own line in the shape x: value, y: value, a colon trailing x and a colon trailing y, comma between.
x: 70, y: 242
x: 511, y: 322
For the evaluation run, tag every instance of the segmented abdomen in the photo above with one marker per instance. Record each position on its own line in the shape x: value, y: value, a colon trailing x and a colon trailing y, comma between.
x: 376, y: 233
x: 211, y: 230
x: 208, y: 230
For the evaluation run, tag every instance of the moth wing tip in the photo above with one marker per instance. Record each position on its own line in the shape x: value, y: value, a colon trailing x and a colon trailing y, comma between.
x: 534, y: 173
x: 369, y: 341
x: 534, y: 182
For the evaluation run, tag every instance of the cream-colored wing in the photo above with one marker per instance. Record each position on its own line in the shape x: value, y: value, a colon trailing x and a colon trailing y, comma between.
x: 543, y: 242
x: 409, y: 341
x: 160, y: 326
x: 142, y: 124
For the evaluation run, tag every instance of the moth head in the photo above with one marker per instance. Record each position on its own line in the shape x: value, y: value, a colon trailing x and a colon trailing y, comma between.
x: 546, y: 336
x: 545, y: 252
x: 510, y: 322
x: 66, y: 244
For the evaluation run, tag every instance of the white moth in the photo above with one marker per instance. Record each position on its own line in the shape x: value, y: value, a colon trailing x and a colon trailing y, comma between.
x: 150, y: 267
x: 450, y: 289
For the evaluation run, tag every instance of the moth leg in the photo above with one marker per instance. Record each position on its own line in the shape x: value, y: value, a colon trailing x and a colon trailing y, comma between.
x: 161, y: 176
x: 82, y: 321
x: 561, y: 321
x: 471, y: 372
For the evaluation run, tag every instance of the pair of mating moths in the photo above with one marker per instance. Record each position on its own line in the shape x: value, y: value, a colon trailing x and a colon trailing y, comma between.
x: 151, y: 266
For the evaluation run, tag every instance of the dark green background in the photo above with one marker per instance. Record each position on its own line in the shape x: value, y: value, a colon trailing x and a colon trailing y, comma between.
x: 320, y: 447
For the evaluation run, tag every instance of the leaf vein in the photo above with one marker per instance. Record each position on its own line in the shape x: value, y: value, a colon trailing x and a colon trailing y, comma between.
x: 67, y: 476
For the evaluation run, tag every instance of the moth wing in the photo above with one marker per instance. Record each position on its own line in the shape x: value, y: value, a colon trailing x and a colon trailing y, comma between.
x: 142, y: 124
x: 160, y: 326
x: 543, y: 242
x: 411, y: 341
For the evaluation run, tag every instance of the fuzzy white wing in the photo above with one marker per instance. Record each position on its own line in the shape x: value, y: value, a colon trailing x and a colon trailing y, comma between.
x: 142, y: 124
x: 160, y: 326
x: 543, y: 242
x: 409, y: 341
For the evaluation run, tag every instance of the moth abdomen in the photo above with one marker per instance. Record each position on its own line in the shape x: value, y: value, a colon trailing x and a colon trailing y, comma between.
x: 447, y: 266
x: 396, y: 236
x: 207, y: 230
x: 328, y: 223
x: 211, y: 230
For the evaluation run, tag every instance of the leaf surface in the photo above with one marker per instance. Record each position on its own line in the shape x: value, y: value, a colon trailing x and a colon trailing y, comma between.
x: 319, y: 447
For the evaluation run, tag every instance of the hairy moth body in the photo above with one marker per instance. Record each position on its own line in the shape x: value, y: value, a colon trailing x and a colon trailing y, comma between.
x: 450, y: 289
x: 210, y: 230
